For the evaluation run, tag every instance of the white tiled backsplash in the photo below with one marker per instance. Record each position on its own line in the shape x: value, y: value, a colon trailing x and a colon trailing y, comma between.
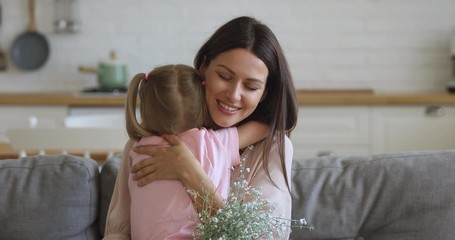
x: 387, y: 45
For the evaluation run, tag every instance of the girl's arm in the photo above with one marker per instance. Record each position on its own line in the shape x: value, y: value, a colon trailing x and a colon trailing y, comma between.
x: 252, y: 132
x: 176, y: 162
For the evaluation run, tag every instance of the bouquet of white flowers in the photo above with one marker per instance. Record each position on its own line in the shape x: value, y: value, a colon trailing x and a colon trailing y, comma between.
x: 245, y: 215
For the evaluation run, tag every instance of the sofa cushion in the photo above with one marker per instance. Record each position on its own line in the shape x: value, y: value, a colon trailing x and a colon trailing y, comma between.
x: 388, y: 197
x: 49, y: 197
x: 109, y: 173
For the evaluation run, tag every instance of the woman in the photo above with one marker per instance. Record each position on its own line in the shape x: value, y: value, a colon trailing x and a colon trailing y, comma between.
x: 247, y: 78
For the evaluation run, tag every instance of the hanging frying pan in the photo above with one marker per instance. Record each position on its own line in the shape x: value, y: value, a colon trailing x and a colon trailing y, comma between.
x: 30, y: 50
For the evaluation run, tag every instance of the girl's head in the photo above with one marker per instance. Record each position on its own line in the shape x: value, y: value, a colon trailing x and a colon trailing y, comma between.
x: 247, y: 76
x: 171, y: 100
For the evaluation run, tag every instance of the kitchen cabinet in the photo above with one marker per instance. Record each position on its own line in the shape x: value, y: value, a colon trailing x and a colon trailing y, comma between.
x: 413, y: 128
x: 30, y: 116
x: 357, y: 130
x: 107, y: 117
x: 332, y: 130
x: 41, y: 109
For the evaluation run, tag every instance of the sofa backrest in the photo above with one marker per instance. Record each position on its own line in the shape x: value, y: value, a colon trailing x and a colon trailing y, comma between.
x: 396, y: 196
x: 393, y: 196
x: 49, y: 197
x: 108, y: 175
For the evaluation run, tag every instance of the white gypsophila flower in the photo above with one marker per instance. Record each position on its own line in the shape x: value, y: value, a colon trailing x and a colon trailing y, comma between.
x: 245, y: 215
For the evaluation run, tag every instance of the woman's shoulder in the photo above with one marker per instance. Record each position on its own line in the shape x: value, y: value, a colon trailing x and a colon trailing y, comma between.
x: 274, y: 165
x: 288, y: 149
x: 274, y: 149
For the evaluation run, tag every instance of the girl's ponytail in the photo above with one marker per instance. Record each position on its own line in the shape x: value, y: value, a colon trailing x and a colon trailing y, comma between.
x: 134, y: 129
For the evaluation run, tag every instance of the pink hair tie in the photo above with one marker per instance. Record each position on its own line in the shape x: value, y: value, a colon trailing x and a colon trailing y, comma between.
x: 146, y: 76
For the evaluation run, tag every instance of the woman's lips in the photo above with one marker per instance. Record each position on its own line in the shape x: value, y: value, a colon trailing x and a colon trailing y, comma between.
x: 227, y: 109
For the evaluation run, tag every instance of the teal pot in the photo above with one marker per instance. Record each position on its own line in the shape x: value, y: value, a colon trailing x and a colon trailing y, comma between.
x: 111, y: 74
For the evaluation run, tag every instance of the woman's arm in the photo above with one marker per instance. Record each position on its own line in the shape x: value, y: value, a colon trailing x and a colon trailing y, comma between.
x: 118, y: 215
x: 176, y: 162
x: 252, y: 132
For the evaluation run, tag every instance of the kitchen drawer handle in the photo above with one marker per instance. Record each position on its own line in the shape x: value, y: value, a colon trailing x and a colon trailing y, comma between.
x: 435, y: 111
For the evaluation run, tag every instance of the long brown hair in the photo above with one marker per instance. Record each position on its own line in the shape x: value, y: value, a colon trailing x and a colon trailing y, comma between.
x: 279, y: 107
x: 171, y: 100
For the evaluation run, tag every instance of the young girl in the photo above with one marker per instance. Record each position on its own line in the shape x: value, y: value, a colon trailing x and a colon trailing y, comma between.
x: 172, y: 101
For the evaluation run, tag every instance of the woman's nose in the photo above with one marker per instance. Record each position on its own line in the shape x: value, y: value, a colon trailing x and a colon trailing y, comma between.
x: 234, y: 93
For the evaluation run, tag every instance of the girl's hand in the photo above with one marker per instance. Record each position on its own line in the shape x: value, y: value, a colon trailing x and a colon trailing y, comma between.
x: 164, y: 163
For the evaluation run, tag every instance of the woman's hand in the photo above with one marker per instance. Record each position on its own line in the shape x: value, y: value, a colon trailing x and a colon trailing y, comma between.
x: 165, y: 163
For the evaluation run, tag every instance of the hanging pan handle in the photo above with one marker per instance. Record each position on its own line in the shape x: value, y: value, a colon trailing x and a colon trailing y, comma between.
x: 31, y: 12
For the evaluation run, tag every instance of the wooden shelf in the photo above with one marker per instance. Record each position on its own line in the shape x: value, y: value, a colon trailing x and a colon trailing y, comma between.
x: 364, y: 97
x: 61, y: 98
x: 304, y: 97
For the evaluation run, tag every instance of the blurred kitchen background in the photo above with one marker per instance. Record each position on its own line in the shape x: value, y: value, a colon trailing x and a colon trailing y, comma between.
x: 372, y: 75
x: 384, y: 45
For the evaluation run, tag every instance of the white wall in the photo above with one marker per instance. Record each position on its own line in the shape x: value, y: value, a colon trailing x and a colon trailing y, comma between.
x: 388, y: 45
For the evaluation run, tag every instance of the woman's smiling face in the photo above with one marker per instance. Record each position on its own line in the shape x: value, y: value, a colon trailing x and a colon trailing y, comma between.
x: 235, y: 84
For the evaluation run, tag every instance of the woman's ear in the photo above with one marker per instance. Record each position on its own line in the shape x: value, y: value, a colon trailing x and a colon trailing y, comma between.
x: 202, y: 67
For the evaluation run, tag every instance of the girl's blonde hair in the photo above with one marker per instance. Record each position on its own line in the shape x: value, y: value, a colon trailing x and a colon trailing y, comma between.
x: 171, y: 100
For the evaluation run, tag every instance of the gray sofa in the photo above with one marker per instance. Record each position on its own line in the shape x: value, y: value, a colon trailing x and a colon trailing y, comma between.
x: 390, y: 196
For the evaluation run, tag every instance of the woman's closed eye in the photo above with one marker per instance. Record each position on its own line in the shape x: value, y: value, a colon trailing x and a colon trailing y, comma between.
x: 253, y: 87
x: 225, y: 76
